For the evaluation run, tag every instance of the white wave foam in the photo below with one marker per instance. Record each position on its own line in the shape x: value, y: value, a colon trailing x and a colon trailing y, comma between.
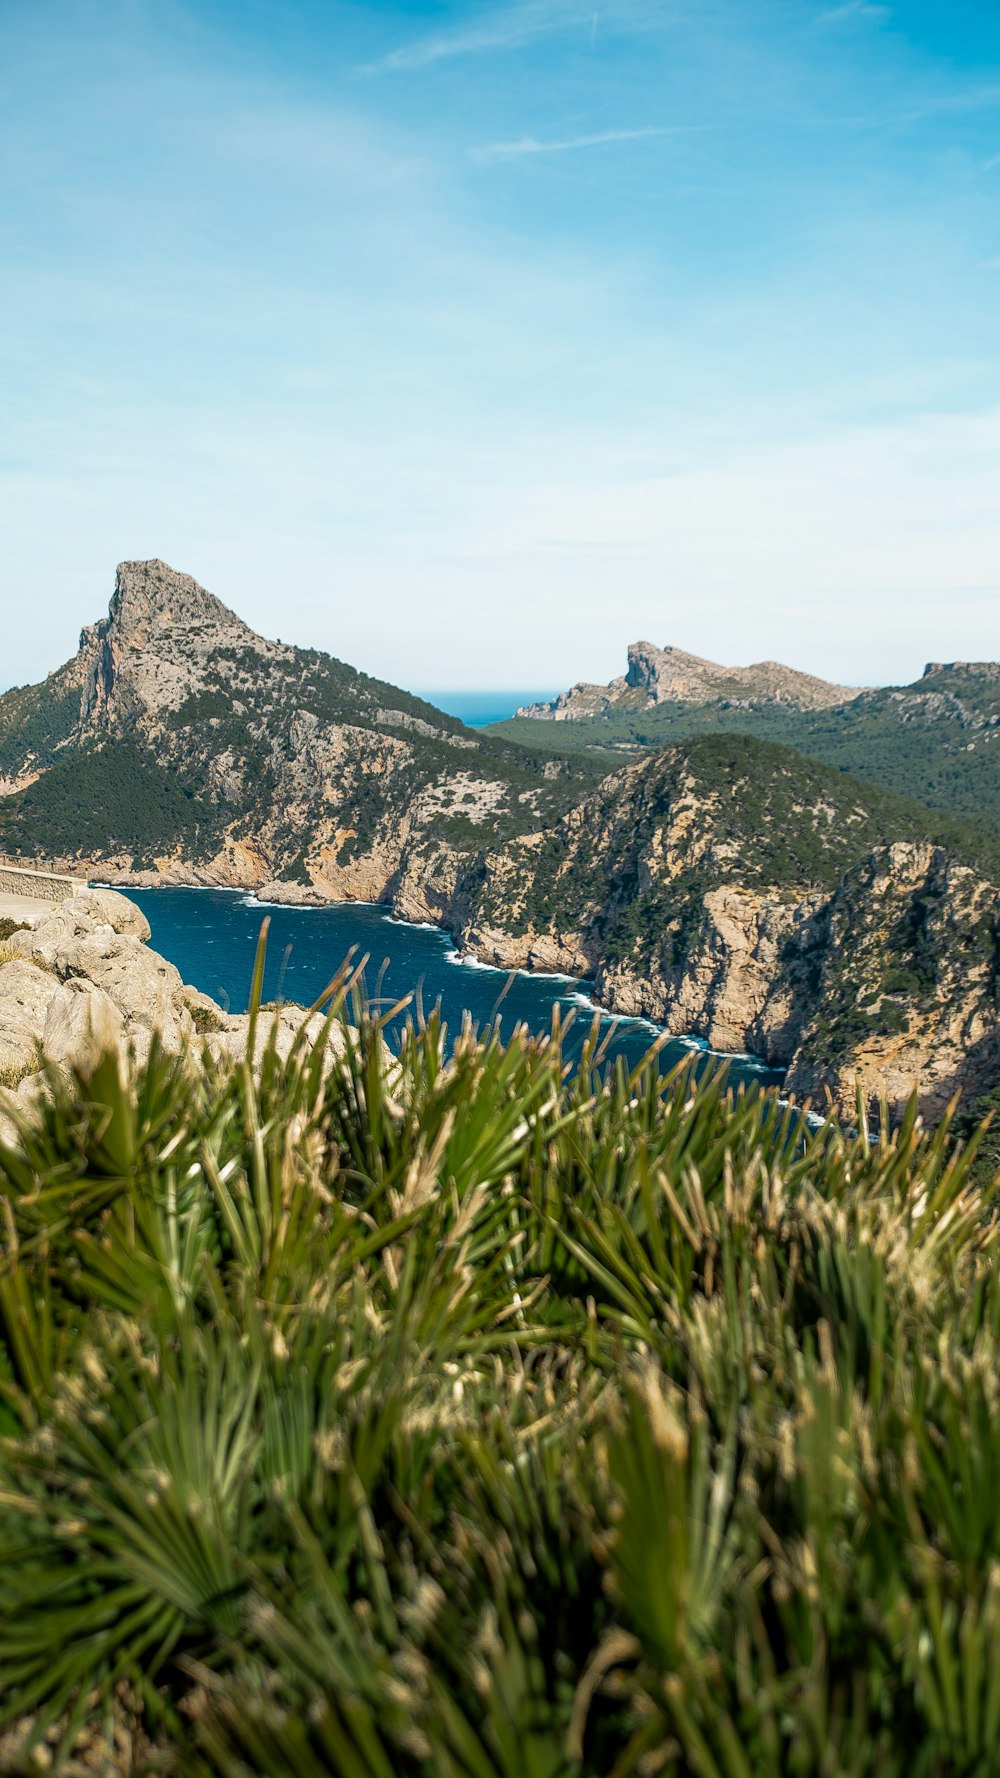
x: 578, y: 998
x: 468, y: 962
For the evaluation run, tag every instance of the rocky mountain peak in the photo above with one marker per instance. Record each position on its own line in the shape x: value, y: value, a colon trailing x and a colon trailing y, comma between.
x: 671, y: 675
x: 151, y: 598
x: 154, y: 647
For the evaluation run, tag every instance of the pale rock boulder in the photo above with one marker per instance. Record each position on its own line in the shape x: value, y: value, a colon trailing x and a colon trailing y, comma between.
x: 26, y: 993
x: 101, y: 937
x: 82, y: 1024
x: 146, y: 989
x: 93, y: 910
x: 24, y: 1102
x: 282, y: 1028
x: 45, y: 943
x: 106, y: 908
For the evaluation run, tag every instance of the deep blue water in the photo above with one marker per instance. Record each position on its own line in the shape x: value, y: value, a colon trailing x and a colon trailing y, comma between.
x: 477, y: 708
x: 211, y: 935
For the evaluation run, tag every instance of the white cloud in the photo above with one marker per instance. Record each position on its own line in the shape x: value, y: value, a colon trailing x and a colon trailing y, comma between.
x: 858, y: 553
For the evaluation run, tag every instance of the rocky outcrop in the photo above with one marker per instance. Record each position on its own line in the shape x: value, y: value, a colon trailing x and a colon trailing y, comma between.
x: 155, y: 647
x: 179, y: 746
x: 687, y: 897
x: 82, y: 1024
x: 670, y: 676
x: 26, y: 993
x: 741, y: 986
x: 81, y: 980
x: 86, y: 964
x: 906, y: 990
x: 716, y: 887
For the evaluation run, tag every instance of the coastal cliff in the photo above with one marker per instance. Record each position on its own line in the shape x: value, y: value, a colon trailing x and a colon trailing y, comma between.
x: 80, y: 979
x: 725, y: 887
x: 724, y: 892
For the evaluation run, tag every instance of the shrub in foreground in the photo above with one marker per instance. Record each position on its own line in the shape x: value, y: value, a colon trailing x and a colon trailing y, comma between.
x: 474, y: 1416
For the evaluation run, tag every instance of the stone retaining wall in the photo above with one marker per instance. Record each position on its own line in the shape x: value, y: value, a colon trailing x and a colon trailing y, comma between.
x: 43, y: 885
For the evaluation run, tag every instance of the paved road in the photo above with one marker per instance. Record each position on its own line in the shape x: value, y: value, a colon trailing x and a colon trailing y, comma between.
x: 20, y: 907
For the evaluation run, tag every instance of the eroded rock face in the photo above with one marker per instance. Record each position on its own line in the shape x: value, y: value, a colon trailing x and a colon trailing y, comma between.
x: 908, y: 988
x: 151, y: 650
x: 106, y: 908
x: 26, y: 993
x: 81, y: 1025
x: 887, y: 980
x: 279, y: 1028
x: 99, y: 938
x: 671, y: 676
x: 146, y: 989
x: 85, y: 983
x: 737, y: 985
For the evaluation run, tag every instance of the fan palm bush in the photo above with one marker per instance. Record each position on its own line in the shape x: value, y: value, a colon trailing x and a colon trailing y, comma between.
x: 465, y: 1413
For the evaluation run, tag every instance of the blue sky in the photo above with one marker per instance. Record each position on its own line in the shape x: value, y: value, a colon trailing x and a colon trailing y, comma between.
x: 472, y: 342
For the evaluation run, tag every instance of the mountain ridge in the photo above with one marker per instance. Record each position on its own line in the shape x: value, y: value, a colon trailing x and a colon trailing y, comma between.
x: 935, y: 740
x: 671, y: 675
x: 698, y: 884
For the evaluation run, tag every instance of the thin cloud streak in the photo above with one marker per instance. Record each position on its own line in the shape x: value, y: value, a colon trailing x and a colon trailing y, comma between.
x: 513, y: 29
x: 518, y: 27
x: 854, y: 10
x: 508, y: 151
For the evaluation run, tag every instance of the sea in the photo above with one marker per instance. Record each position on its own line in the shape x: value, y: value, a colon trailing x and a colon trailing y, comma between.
x: 212, y: 934
x: 479, y: 708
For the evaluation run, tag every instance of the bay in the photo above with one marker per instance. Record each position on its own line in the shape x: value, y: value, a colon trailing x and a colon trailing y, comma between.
x: 211, y: 935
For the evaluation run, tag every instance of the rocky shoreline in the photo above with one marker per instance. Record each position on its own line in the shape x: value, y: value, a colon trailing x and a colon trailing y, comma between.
x: 81, y: 978
x: 812, y: 982
x: 724, y: 887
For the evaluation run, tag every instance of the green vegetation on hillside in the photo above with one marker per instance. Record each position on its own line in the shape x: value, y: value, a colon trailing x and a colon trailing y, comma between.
x: 101, y: 800
x: 754, y: 813
x: 928, y: 756
x: 34, y: 719
x: 469, y: 1420
x: 147, y: 782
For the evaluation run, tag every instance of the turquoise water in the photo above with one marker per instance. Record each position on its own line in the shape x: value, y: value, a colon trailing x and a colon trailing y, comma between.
x: 477, y: 708
x: 211, y: 935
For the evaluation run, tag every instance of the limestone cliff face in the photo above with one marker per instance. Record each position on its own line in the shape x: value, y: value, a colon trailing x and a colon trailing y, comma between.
x: 907, y: 984
x: 180, y: 746
x: 741, y: 985
x: 669, y: 675
x: 156, y: 647
x: 724, y: 887
x: 882, y: 971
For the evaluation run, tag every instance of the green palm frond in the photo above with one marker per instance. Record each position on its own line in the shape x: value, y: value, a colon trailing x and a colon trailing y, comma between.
x: 463, y: 1414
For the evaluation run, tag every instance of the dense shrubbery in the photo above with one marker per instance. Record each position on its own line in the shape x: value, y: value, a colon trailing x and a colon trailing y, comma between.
x: 34, y: 719
x: 925, y: 759
x: 106, y: 799
x: 469, y: 1418
x: 737, y: 810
